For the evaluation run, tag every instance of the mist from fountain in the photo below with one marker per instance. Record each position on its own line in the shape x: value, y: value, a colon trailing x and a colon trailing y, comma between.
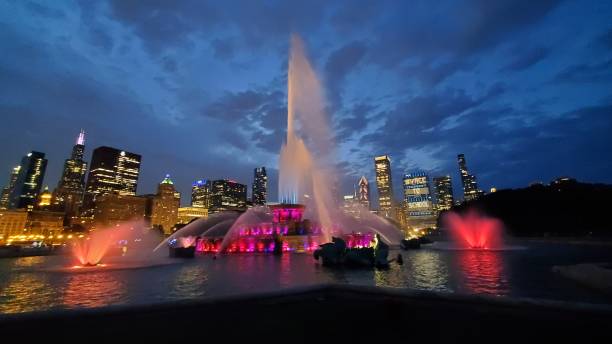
x: 204, y: 226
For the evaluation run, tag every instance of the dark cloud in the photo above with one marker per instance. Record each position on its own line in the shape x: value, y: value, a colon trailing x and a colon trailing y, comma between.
x: 606, y: 39
x: 355, y: 122
x: 224, y: 48
x: 169, y: 63
x: 44, y: 11
x: 339, y: 64
x: 260, y: 115
x: 101, y: 39
x: 581, y: 73
x: 524, y: 60
x: 198, y: 87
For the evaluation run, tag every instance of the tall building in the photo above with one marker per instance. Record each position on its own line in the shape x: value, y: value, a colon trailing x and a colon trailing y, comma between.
x: 112, y: 209
x: 111, y: 171
x: 351, y: 206
x: 444, y: 193
x: 29, y: 180
x: 363, y: 193
x: 470, y: 188
x: 417, y: 195
x: 5, y: 197
x: 260, y: 186
x: 164, y: 211
x: 384, y: 185
x: 201, y: 194
x: 69, y: 192
x: 228, y: 195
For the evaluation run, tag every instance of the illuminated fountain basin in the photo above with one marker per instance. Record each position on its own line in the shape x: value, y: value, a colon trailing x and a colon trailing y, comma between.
x: 258, y: 229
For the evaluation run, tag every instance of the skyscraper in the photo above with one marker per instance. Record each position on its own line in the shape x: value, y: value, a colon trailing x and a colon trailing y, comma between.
x: 470, y: 188
x: 417, y: 195
x: 444, y: 192
x: 112, y: 209
x: 351, y: 206
x: 111, y: 171
x: 201, y: 194
x: 260, y: 186
x: 384, y: 184
x: 363, y: 193
x: 164, y: 211
x: 29, y: 180
x: 69, y: 192
x: 8, y: 189
x: 228, y: 195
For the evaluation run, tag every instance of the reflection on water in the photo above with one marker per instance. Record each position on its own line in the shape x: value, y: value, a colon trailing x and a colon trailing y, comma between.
x: 428, y: 271
x: 483, y: 272
x: 25, y: 284
x: 189, y: 282
x: 28, y: 262
x: 393, y: 277
x: 93, y: 289
x: 26, y: 292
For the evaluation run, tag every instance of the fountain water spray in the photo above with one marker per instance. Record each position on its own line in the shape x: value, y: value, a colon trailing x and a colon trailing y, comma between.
x: 474, y: 231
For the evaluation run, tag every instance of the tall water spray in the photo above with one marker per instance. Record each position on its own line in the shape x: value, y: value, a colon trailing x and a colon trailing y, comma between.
x: 305, y: 163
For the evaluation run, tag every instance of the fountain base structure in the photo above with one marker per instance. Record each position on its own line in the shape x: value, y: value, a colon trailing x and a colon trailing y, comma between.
x: 336, y: 253
x: 285, y: 231
x: 182, y: 252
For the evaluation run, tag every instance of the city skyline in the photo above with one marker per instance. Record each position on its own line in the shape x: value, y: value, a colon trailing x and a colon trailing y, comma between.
x: 79, y: 152
x: 504, y: 93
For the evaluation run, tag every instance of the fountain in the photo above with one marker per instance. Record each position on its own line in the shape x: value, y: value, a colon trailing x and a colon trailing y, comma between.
x: 131, y: 239
x: 307, y: 215
x: 474, y: 231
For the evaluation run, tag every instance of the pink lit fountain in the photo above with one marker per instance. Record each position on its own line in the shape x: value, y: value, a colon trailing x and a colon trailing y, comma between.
x: 474, y: 231
x: 93, y: 249
x: 89, y: 251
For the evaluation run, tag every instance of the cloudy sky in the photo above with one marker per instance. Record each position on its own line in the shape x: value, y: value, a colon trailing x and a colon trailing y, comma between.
x: 523, y: 88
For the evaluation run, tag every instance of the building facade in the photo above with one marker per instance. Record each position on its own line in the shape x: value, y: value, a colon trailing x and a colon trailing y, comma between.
x: 68, y: 195
x: 201, y: 194
x: 417, y: 195
x: 351, y: 206
x: 260, y: 186
x: 5, y: 197
x: 187, y: 214
x: 384, y: 185
x: 113, y: 209
x: 228, y: 195
x: 44, y: 222
x: 164, y: 210
x: 29, y: 181
x: 111, y: 171
x: 468, y: 181
x: 443, y: 188
x: 363, y: 192
x: 12, y: 223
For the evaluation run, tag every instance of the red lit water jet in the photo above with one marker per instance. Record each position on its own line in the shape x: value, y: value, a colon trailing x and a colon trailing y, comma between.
x: 474, y: 231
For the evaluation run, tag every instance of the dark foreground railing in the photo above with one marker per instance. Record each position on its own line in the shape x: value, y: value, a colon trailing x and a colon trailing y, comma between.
x: 323, y: 314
